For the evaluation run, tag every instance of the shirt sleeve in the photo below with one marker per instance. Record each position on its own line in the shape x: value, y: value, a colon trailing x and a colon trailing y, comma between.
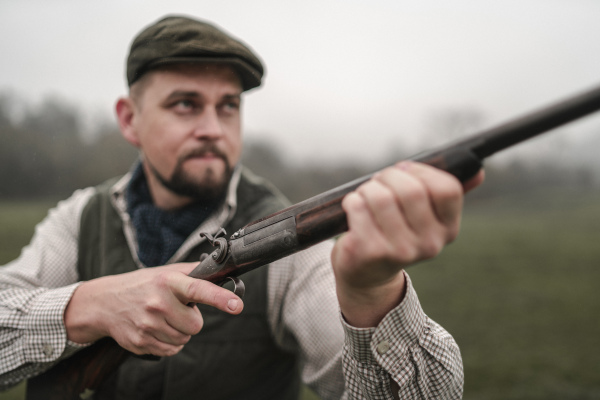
x: 34, y: 291
x: 305, y: 317
x: 339, y: 361
x: 408, y: 347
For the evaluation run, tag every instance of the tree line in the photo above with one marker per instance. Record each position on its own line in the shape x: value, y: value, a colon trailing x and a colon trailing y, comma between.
x: 45, y: 152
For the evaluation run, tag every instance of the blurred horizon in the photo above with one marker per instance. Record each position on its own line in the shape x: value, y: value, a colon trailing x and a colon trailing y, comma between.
x: 346, y: 80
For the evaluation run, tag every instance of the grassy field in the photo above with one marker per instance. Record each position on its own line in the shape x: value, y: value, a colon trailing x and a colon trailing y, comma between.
x: 518, y: 290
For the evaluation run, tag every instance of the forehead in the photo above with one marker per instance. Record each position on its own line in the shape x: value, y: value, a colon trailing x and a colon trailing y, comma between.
x: 201, y: 77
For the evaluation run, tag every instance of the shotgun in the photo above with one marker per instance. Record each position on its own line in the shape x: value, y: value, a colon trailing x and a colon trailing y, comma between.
x: 297, y: 228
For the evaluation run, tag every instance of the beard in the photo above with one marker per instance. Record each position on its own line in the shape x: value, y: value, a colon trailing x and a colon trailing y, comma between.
x: 210, y: 189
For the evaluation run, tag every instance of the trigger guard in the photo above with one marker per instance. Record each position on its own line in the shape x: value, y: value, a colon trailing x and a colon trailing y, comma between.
x: 238, y: 286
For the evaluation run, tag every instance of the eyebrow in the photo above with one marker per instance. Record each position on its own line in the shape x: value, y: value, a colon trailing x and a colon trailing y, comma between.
x: 232, y: 97
x: 182, y: 93
x: 191, y: 94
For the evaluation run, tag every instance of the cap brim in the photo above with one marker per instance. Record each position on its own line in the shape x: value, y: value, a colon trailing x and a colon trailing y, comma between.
x: 249, y: 76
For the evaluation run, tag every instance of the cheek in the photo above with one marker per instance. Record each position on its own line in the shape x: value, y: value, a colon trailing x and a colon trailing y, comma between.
x: 160, y: 144
x: 236, y: 147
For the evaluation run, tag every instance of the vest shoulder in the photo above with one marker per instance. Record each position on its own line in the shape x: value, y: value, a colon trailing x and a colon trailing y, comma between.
x: 104, y: 187
x: 101, y: 195
x: 259, y: 196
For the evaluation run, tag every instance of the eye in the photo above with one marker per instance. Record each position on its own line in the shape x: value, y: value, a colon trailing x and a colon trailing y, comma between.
x: 230, y: 106
x: 183, y: 106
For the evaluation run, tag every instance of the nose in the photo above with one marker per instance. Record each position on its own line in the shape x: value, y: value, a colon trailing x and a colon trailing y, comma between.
x: 208, y: 125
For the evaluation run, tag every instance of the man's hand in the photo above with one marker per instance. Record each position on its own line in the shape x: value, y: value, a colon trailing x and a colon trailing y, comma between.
x: 145, y: 311
x: 403, y: 215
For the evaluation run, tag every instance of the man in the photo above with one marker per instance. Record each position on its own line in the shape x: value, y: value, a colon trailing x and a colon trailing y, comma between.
x: 86, y: 273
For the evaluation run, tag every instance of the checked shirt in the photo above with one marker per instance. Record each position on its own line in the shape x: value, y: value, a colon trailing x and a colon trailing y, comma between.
x: 337, y: 361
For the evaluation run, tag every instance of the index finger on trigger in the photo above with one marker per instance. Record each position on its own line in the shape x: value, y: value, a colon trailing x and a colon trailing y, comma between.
x: 192, y: 290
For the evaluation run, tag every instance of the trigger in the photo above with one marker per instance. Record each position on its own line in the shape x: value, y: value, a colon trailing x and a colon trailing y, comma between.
x: 238, y: 286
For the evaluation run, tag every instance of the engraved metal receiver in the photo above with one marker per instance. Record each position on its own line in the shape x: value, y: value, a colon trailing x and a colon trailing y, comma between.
x: 255, y: 245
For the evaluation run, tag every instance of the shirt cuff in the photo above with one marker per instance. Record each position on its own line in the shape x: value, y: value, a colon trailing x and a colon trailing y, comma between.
x: 45, y: 338
x: 389, y: 342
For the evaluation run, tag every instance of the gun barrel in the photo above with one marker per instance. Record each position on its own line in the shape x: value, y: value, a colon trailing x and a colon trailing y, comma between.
x: 321, y: 217
x: 535, y: 123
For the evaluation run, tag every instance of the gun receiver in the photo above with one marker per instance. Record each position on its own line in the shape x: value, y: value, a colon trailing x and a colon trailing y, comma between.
x: 301, y: 226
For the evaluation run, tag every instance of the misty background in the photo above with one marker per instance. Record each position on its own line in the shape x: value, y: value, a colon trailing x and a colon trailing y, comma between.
x: 46, y: 153
x: 348, y: 81
x: 353, y: 86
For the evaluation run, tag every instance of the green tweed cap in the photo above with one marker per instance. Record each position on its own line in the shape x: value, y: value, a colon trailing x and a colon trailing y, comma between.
x: 179, y: 39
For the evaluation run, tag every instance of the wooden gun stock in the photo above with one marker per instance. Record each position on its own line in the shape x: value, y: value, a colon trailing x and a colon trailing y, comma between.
x: 299, y: 227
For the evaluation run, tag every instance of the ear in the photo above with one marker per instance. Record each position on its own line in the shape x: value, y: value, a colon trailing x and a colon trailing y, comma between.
x: 125, y: 110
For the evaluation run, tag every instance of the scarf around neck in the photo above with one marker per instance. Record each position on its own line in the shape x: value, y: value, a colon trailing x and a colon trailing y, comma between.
x: 160, y: 232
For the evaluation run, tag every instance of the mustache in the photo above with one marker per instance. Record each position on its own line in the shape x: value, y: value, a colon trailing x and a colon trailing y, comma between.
x: 203, y: 151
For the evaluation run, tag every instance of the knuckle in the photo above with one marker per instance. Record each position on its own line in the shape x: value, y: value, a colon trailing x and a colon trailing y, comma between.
x: 205, y: 292
x: 154, y: 304
x: 415, y: 192
x: 402, y: 252
x: 201, y: 291
x: 179, y: 340
x: 377, y: 195
x: 407, y: 254
x: 389, y: 174
x: 353, y: 201
x: 138, y: 341
x: 193, y: 290
x: 172, y: 350
x: 453, y: 232
x: 347, y: 244
x: 161, y: 278
x: 184, y: 340
x: 449, y: 191
x: 431, y: 247
x: 145, y: 327
x: 430, y: 250
x: 384, y: 199
x: 214, y: 297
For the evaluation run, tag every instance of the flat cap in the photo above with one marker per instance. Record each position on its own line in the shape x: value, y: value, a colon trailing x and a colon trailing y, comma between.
x: 179, y: 39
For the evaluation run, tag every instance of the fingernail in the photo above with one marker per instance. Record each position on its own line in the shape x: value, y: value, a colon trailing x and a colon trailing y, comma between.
x: 232, y: 304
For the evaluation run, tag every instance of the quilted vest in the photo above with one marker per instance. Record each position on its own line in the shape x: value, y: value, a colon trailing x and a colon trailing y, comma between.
x: 233, y: 357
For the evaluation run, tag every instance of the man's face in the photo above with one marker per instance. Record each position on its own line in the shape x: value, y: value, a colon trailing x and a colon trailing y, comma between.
x: 187, y: 123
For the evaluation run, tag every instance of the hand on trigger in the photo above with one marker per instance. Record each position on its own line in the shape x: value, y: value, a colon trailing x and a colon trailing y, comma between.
x: 145, y: 311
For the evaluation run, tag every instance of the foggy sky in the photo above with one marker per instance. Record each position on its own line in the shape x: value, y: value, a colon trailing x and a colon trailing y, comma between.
x: 343, y: 77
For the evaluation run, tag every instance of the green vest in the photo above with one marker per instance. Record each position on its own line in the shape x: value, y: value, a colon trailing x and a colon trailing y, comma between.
x: 233, y: 357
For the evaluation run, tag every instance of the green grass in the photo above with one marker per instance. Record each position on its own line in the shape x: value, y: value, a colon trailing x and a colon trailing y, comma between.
x: 17, y: 221
x: 518, y: 290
